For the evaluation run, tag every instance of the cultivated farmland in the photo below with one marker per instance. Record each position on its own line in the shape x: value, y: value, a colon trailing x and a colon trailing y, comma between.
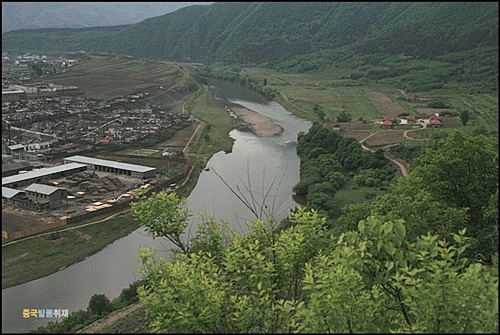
x: 108, y: 77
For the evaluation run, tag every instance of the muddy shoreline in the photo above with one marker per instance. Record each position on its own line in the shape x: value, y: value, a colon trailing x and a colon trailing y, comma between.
x: 261, y: 125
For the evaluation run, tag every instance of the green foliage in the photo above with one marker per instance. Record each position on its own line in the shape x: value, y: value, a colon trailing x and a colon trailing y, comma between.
x: 464, y: 116
x: 302, y: 279
x: 462, y: 173
x: 128, y: 295
x: 344, y: 117
x: 163, y: 215
x: 99, y: 304
x: 325, y: 160
x: 406, y: 152
x: 318, y: 110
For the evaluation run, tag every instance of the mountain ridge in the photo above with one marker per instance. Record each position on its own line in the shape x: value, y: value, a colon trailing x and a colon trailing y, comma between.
x: 36, y: 15
x: 252, y: 32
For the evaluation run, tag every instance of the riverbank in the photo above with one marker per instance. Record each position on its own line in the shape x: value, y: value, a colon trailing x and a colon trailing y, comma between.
x: 40, y: 256
x: 261, y: 125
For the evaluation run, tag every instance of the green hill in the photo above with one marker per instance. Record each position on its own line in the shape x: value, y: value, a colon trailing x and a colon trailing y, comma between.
x: 443, y: 40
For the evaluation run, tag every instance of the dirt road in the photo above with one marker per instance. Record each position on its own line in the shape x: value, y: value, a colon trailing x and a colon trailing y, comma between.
x: 404, y: 172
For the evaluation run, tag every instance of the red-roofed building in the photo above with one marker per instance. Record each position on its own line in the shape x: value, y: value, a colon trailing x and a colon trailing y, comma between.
x: 387, y: 123
x: 435, y: 122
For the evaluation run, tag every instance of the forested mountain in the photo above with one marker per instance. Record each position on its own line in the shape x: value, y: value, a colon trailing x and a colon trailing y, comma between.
x: 34, y: 15
x: 273, y: 32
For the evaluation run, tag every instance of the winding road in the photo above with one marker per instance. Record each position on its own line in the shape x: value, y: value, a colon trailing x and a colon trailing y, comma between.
x: 405, y: 135
x: 400, y: 166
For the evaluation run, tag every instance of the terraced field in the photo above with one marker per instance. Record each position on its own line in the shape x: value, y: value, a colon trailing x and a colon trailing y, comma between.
x: 107, y: 77
x: 384, y: 105
x: 368, y: 100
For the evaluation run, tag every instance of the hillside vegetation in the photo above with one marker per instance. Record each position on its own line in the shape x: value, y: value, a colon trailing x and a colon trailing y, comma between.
x: 243, y: 32
x: 420, y: 46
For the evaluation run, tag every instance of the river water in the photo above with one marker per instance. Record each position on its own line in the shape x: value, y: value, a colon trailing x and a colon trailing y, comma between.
x: 260, y: 170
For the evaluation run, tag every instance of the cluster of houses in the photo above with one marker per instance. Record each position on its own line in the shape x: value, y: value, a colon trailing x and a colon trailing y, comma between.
x: 22, y: 90
x: 40, y: 123
x: 433, y: 121
x: 48, y: 66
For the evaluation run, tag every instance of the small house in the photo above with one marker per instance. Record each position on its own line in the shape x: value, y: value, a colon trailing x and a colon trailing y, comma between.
x: 434, y: 121
x: 387, y: 123
x: 45, y: 195
x: 411, y: 119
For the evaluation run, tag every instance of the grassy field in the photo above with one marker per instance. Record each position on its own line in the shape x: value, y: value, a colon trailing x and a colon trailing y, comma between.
x: 216, y: 125
x: 40, y: 256
x: 353, y: 194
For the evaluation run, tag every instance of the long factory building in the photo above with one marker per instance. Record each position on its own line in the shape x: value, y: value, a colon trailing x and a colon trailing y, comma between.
x: 133, y: 170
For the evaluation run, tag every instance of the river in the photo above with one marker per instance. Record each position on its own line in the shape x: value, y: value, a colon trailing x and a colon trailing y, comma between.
x: 264, y: 168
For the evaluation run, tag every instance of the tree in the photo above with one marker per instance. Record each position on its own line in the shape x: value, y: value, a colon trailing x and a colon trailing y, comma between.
x: 462, y: 172
x: 464, y: 116
x: 163, y: 215
x: 37, y: 69
x: 99, y: 304
x: 302, y: 279
x: 344, y: 116
x: 318, y: 110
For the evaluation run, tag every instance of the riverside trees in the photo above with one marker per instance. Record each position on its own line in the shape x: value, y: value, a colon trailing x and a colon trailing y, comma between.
x: 303, y: 279
x: 410, y: 263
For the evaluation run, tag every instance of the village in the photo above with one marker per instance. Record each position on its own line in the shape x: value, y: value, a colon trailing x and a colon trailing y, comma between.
x: 52, y: 137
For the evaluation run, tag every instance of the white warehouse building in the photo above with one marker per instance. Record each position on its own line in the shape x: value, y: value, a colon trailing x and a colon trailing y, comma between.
x: 133, y: 170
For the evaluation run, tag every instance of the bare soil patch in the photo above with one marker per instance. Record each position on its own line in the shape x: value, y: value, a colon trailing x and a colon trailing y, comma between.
x: 357, y: 130
x: 16, y: 219
x: 430, y: 111
x: 357, y: 134
x: 385, y: 137
x: 383, y: 104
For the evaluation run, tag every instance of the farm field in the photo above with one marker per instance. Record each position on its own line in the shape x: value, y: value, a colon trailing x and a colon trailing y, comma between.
x: 108, y: 77
x: 369, y: 101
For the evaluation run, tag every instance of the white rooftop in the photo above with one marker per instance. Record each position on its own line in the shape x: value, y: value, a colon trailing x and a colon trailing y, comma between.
x: 8, y: 192
x: 40, y: 173
x: 108, y: 163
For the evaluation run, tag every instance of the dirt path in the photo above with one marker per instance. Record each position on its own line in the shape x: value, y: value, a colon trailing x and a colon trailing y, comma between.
x: 111, y: 318
x: 405, y: 134
x: 403, y: 169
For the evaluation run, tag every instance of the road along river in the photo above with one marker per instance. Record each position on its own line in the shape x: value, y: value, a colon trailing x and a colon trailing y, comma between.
x: 269, y: 164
